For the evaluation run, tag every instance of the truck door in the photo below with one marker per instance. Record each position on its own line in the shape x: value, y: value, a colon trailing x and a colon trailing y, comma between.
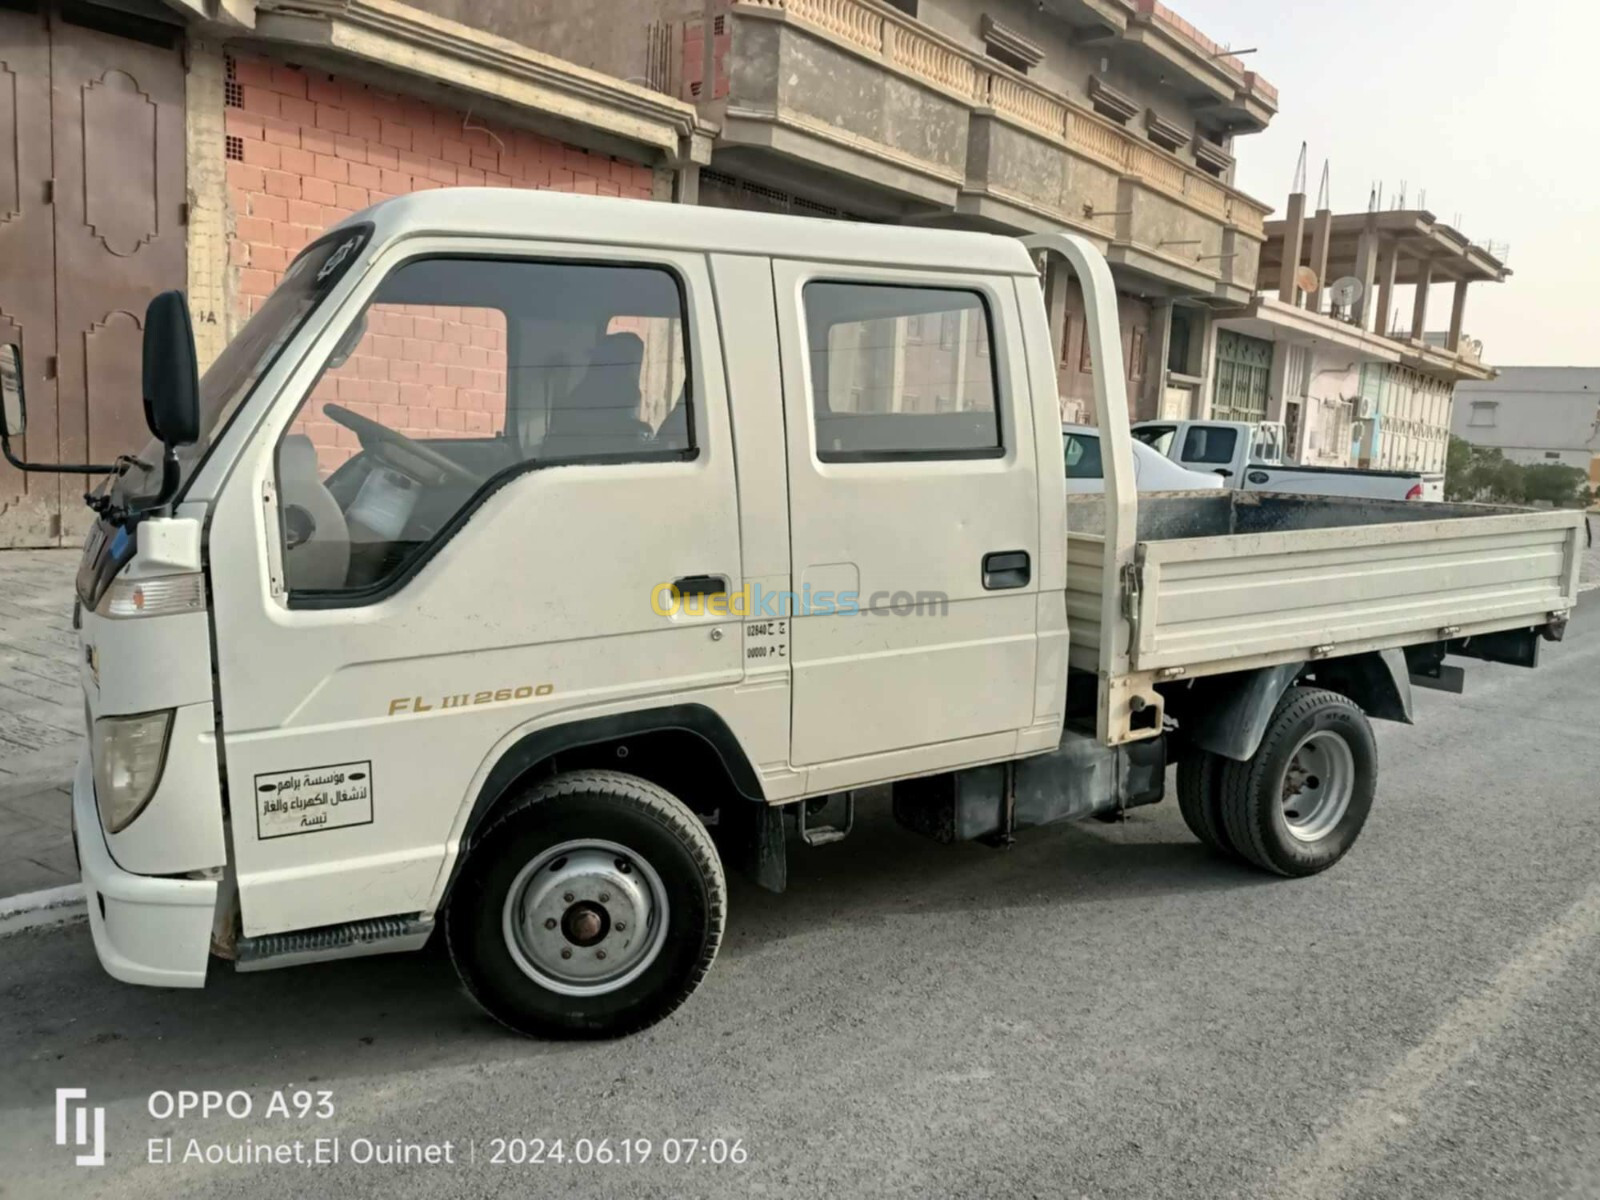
x: 457, y: 524
x: 1218, y: 448
x: 914, y: 515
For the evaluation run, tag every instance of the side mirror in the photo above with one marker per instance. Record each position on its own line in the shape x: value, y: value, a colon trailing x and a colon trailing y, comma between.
x: 13, y: 410
x: 171, y: 372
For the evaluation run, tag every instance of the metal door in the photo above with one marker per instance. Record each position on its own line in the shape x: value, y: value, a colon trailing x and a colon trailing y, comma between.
x: 118, y: 125
x: 92, y: 180
x: 30, y: 505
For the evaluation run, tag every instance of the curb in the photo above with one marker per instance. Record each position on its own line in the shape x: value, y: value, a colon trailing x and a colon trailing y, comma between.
x: 53, y: 906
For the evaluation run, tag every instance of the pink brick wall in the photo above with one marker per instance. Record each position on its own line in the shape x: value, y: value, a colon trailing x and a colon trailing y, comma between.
x: 307, y: 150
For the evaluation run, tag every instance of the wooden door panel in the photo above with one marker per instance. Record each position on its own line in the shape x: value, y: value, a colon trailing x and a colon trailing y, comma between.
x: 118, y: 115
x: 30, y: 505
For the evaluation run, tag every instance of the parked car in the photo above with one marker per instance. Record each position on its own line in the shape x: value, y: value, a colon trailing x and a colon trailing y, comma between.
x: 1151, y: 472
x: 1250, y: 457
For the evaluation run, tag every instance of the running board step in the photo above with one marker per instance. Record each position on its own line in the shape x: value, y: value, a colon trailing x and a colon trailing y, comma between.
x: 822, y: 835
x: 377, y: 935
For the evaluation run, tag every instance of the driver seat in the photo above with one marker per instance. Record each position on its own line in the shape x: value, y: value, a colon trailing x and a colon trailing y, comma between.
x: 322, y: 561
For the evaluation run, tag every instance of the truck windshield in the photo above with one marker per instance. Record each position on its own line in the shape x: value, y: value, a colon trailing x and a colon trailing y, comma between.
x: 1157, y: 437
x: 233, y: 375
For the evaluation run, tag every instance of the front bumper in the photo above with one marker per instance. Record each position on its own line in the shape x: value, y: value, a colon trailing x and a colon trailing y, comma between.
x: 147, y: 929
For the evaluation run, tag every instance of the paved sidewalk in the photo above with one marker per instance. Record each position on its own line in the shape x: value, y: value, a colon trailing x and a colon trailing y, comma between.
x: 41, y: 719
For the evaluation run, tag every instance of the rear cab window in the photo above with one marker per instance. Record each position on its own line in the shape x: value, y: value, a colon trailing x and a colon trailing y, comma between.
x: 901, y: 372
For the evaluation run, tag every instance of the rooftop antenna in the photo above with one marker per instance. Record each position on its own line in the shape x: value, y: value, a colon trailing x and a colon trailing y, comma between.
x: 1299, y: 186
x: 1400, y: 197
x: 1372, y: 198
x: 1324, y: 192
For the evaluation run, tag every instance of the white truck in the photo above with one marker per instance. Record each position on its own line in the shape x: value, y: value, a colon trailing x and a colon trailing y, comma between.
x: 728, y: 514
x: 1250, y: 457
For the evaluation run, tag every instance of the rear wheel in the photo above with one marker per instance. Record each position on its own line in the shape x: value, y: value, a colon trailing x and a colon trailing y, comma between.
x: 1200, y: 800
x: 592, y: 908
x: 1298, y: 805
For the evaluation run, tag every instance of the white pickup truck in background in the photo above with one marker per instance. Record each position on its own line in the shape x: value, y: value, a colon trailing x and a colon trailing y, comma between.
x: 1250, y: 457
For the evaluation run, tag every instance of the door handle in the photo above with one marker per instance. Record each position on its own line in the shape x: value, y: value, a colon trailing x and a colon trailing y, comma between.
x: 700, y: 585
x: 1003, y: 569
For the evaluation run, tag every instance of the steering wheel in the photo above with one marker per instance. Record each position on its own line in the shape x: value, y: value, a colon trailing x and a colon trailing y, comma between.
x: 374, y: 436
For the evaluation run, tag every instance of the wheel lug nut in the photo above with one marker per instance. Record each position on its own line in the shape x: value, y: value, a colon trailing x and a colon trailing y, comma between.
x: 621, y: 925
x: 550, y: 923
x: 599, y: 953
x: 605, y: 897
x: 566, y: 952
x: 567, y: 897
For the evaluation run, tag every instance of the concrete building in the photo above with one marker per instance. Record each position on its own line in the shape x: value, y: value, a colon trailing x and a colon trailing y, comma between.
x: 1536, y: 415
x: 1355, y: 382
x: 199, y: 144
x: 1113, y: 118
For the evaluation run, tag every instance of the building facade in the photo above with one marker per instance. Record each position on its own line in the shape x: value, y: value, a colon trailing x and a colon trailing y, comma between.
x: 1115, y: 119
x: 199, y: 144
x: 146, y: 146
x: 1536, y: 415
x: 1325, y: 348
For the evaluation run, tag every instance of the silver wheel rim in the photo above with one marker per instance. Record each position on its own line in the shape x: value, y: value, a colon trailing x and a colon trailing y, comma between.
x: 1317, y: 785
x: 585, y: 918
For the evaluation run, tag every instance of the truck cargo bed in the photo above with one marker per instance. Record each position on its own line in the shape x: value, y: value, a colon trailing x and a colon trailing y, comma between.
x: 1227, y: 580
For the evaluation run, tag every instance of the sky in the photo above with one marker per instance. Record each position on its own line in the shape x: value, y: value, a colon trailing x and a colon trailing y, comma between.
x: 1487, y: 105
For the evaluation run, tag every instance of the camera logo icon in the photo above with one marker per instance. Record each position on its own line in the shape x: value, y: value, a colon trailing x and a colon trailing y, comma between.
x: 74, y: 1101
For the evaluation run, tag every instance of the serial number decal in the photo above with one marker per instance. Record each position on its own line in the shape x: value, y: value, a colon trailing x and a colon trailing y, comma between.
x: 313, y: 799
x: 766, y: 642
x: 420, y: 704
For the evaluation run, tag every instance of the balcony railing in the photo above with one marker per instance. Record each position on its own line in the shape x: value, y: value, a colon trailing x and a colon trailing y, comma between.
x: 914, y: 50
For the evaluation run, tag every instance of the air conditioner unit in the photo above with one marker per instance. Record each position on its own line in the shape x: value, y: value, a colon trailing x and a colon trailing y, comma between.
x: 1367, y: 407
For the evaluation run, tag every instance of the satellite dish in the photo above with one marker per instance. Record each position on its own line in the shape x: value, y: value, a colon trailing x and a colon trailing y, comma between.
x: 1346, y: 291
x: 1305, y: 279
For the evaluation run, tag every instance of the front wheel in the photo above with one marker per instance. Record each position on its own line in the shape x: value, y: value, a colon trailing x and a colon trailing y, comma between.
x: 1299, y: 803
x: 592, y: 908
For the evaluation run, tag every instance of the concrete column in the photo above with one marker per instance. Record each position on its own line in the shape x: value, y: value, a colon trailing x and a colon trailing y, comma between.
x: 1367, y: 272
x: 1157, y: 345
x: 686, y: 184
x: 1458, y: 312
x: 1321, y: 236
x: 211, y: 276
x: 1419, y: 306
x: 1387, y: 269
x: 1294, y: 227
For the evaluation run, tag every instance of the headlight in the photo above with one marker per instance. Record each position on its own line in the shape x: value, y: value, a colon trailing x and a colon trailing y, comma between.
x: 129, y: 754
x: 153, y: 597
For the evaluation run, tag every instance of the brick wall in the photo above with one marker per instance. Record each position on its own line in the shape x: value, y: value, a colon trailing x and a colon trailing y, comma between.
x: 305, y: 150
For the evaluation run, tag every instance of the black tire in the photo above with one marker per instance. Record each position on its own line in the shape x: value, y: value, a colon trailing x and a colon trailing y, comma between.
x: 1254, y: 806
x: 1200, y: 801
x: 607, y: 808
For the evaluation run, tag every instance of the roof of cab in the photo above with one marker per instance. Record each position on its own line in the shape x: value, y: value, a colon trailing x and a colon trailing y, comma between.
x: 559, y: 216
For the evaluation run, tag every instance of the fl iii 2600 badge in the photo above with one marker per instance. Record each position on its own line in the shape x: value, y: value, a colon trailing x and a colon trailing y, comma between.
x: 416, y: 704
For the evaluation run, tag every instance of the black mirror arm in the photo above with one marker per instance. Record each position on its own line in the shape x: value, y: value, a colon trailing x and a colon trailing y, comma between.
x: 54, y: 468
x: 171, y: 476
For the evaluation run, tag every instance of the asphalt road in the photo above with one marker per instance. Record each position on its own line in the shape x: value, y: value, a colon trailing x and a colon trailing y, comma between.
x: 1102, y: 1011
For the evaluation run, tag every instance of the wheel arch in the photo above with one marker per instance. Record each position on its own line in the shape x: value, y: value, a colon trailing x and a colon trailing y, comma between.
x: 1228, y: 714
x: 662, y: 745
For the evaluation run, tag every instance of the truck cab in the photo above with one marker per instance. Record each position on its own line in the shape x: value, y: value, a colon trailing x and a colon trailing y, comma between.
x: 1250, y: 456
x: 526, y: 559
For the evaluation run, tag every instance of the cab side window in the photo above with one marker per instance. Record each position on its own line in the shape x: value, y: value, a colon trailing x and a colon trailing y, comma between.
x: 901, y: 373
x: 1209, y: 445
x: 458, y: 375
